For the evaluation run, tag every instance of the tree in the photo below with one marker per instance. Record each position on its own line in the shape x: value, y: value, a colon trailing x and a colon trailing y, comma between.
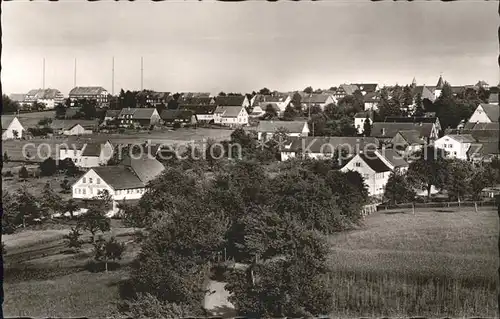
x: 60, y: 111
x: 108, y: 250
x: 398, y: 189
x: 290, y: 113
x: 48, y: 167
x: 222, y: 94
x: 65, y: 186
x: 9, y: 218
x: 429, y: 169
x: 27, y: 209
x: 5, y: 157
x: 50, y: 201
x: 458, y: 179
x: 407, y: 96
x: 23, y: 173
x: 94, y: 220
x: 482, y: 176
x: 419, y: 107
x: 297, y: 102
x: 271, y: 112
x: 68, y: 167
x: 367, y: 126
x: 70, y: 207
x: 147, y: 306
x: 45, y: 121
x: 291, y: 281
x: 72, y: 239
x: 308, y: 90
x: 8, y: 105
x: 265, y: 91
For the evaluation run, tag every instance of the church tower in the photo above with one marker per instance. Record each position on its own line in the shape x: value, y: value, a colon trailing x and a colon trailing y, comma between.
x: 439, y: 87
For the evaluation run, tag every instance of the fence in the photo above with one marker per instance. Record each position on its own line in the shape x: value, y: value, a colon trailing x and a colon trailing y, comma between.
x: 490, y: 203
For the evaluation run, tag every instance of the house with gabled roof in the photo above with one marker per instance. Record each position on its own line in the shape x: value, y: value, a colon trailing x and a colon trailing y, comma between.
x: 484, y: 151
x: 231, y: 116
x: 232, y: 100
x: 97, y: 93
x: 373, y: 168
x: 366, y: 88
x: 74, y: 127
x: 48, y: 97
x: 371, y: 100
x: 386, y: 131
x: 87, y: 155
x: 322, y: 147
x: 456, y: 145
x: 178, y: 117
x: 11, y: 128
x: 317, y: 99
x: 407, y: 142
x: 485, y: 113
x: 204, y: 113
x: 345, y: 89
x: 125, y: 182
x: 359, y: 121
x: 266, y: 129
x: 138, y: 117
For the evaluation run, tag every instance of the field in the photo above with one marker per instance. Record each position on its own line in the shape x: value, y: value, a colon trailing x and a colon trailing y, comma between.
x: 397, y: 264
x: 433, y: 263
x: 14, y: 148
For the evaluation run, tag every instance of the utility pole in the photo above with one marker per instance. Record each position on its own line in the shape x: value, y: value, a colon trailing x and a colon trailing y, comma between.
x: 74, y: 75
x: 43, y: 74
x: 142, y: 73
x: 113, y: 76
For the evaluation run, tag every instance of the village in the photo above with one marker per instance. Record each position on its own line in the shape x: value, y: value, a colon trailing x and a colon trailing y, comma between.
x: 86, y: 176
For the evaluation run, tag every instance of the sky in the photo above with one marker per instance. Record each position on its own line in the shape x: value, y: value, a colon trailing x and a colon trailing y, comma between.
x: 240, y: 47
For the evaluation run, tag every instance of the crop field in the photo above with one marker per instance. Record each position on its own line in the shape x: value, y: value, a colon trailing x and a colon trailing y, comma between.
x: 433, y: 263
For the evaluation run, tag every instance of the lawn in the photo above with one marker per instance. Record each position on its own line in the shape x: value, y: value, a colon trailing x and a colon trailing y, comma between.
x: 35, y: 185
x: 431, y: 264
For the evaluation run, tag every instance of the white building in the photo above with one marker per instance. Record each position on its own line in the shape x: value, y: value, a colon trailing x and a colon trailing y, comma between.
x: 359, y: 121
x: 231, y: 116
x: 267, y: 129
x: 375, y: 167
x: 48, y: 97
x: 74, y: 127
x: 11, y: 128
x: 485, y: 113
x: 123, y: 182
x: 456, y: 146
x: 87, y: 155
x: 325, y: 146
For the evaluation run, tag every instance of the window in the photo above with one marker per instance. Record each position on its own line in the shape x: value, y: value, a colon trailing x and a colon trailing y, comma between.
x: 84, y: 180
x: 90, y: 180
x: 98, y: 180
x: 357, y: 164
x: 84, y: 191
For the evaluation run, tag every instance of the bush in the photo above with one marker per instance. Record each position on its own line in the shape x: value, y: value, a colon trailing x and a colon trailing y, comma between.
x: 23, y: 173
x: 48, y: 167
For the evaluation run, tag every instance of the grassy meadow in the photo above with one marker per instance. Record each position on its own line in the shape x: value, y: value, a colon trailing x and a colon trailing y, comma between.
x: 432, y: 264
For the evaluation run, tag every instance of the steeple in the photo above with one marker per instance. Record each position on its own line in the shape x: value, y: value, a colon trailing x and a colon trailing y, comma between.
x: 440, y: 83
x: 414, y: 82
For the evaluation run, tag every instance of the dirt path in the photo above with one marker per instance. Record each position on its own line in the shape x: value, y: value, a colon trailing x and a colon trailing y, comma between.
x: 216, y: 300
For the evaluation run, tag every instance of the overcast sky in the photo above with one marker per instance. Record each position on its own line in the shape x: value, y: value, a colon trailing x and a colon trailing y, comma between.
x: 240, y: 47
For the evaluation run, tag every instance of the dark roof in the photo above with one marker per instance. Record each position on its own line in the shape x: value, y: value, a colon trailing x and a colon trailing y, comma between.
x: 228, y: 111
x: 413, y: 119
x: 362, y: 115
x: 176, y: 114
x: 199, y: 109
x: 371, y: 97
x: 393, y: 157
x: 68, y: 124
x: 412, y: 137
x: 138, y: 113
x: 483, y: 149
x: 424, y: 91
x: 481, y: 126
x: 92, y: 149
x: 119, y: 177
x: 462, y: 138
x: 200, y: 100
x: 231, y: 100
x: 440, y: 83
x: 481, y: 135
x: 112, y: 113
x: 272, y: 126
x: 367, y: 87
x: 492, y: 111
x: 315, y: 98
x: 145, y: 168
x: 87, y: 90
x: 389, y: 129
x: 326, y: 144
x: 374, y: 162
x: 493, y: 98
